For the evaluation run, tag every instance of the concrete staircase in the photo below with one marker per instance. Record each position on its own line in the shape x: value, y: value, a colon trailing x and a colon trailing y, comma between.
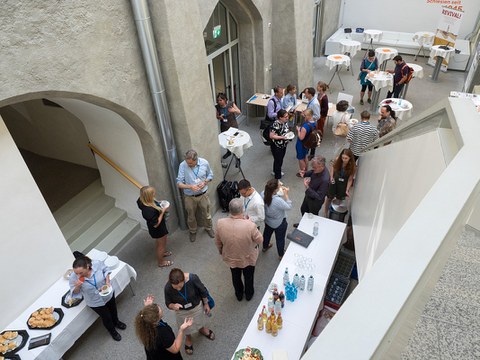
x: 91, y: 220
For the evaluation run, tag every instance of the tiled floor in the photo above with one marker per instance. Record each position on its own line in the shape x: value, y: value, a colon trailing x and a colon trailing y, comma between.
x: 230, y: 316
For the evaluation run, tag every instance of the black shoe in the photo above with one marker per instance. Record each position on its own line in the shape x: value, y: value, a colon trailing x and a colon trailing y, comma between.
x: 295, y: 225
x: 239, y: 297
x: 226, y: 155
x: 248, y: 297
x: 115, y: 335
x: 120, y: 325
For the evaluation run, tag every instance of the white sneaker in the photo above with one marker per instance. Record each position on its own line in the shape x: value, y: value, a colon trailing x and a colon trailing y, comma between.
x: 273, y: 174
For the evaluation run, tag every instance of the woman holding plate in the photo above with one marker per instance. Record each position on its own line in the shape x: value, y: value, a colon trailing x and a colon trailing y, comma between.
x: 153, y: 212
x: 278, y: 134
x: 188, y: 297
x: 91, y: 279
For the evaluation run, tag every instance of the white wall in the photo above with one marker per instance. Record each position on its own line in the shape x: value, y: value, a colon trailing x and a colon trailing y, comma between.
x: 33, y: 251
x: 404, y: 15
x: 113, y: 136
x: 383, y: 200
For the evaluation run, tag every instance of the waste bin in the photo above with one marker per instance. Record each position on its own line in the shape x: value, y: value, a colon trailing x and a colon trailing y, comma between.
x: 338, y: 210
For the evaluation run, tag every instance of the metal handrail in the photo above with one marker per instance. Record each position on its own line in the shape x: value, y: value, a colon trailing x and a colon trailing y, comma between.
x: 115, y: 166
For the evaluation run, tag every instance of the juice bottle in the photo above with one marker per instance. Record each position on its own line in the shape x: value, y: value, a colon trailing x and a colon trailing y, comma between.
x: 264, y: 314
x: 279, y: 321
x: 260, y: 322
x: 268, y: 326
x: 274, y: 328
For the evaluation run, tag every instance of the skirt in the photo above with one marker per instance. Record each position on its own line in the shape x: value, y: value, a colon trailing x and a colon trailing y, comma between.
x: 199, y: 318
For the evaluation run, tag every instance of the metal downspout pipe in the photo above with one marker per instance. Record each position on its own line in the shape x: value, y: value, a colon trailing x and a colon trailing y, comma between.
x: 157, y: 89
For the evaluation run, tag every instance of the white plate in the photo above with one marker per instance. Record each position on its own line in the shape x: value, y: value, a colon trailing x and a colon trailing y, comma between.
x: 106, y: 293
x: 112, y: 262
x: 99, y: 255
x: 290, y: 135
x: 164, y: 204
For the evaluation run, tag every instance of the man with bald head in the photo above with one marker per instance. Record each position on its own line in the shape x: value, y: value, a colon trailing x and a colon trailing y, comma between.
x: 237, y: 240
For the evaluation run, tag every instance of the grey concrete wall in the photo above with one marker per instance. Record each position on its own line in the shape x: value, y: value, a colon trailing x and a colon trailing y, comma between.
x: 330, y: 19
x: 48, y: 131
x: 292, y: 44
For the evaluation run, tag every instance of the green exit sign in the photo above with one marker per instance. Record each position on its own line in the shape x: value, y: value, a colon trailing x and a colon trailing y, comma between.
x: 217, y: 30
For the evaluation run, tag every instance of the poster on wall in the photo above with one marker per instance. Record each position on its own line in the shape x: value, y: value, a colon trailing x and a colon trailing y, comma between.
x: 447, y: 31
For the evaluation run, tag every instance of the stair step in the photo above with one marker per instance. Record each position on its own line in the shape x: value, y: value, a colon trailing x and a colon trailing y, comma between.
x: 98, y: 230
x: 68, y: 211
x: 114, y: 241
x: 86, y: 218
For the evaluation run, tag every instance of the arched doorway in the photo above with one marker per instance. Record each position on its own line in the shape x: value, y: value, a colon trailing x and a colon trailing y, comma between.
x: 221, y: 43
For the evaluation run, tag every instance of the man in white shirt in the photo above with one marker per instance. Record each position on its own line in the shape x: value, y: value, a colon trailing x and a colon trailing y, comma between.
x: 253, y: 206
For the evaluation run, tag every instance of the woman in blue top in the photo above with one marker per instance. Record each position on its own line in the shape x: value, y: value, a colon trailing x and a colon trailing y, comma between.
x: 87, y: 279
x: 369, y: 63
x: 302, y: 134
x: 277, y: 202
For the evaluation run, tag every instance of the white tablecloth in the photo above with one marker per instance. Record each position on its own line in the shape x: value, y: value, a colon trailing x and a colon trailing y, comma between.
x: 417, y: 70
x: 424, y: 38
x: 350, y: 46
x: 381, y: 79
x: 299, y: 316
x: 76, y: 320
x: 402, y: 111
x: 235, y: 143
x: 385, y: 53
x: 337, y: 59
x: 436, y: 51
x: 368, y: 34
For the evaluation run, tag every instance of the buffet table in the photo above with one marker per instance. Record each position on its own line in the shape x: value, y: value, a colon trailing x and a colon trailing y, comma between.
x: 299, y: 316
x: 76, y: 320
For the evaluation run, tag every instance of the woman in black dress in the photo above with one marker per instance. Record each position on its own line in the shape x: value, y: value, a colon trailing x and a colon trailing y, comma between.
x: 156, y: 335
x: 154, y: 216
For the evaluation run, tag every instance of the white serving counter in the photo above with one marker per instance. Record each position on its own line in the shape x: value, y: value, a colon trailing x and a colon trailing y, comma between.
x: 299, y: 316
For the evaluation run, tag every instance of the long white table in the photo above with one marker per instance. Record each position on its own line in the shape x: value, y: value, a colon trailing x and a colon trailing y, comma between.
x: 299, y: 316
x: 75, y: 321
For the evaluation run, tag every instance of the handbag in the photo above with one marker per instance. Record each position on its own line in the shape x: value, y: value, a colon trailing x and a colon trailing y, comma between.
x: 211, y: 302
x: 341, y: 129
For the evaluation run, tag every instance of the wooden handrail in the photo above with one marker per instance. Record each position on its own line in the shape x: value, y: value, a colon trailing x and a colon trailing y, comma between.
x: 115, y: 166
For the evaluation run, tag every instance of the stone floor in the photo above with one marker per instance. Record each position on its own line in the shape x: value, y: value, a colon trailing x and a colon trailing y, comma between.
x: 231, y: 317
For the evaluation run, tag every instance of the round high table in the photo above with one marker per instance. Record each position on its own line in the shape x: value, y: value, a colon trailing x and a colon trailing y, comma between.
x: 417, y: 73
x: 384, y: 54
x: 236, y: 141
x: 380, y: 80
x: 336, y: 61
x: 369, y: 35
x: 425, y: 40
x: 441, y: 54
x: 402, y: 108
x: 350, y: 48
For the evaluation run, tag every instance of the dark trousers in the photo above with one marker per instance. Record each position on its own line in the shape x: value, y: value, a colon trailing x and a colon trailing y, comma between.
x: 108, y: 314
x: 311, y: 205
x: 278, y: 155
x: 397, y: 89
x: 238, y: 283
x: 280, y: 233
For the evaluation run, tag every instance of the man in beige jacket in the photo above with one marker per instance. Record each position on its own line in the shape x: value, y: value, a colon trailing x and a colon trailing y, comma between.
x: 237, y: 241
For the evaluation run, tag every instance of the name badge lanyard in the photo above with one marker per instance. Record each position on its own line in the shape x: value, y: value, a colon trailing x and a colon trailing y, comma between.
x: 185, y: 290
x: 246, y: 205
x: 94, y: 284
x: 196, y: 173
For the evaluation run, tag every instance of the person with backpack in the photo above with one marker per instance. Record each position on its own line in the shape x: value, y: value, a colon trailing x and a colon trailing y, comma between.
x: 402, y: 75
x: 273, y: 106
x: 302, y: 134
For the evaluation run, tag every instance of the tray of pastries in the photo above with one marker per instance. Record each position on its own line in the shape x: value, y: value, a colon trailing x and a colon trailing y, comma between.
x: 45, y: 318
x: 68, y: 301
x: 12, y: 341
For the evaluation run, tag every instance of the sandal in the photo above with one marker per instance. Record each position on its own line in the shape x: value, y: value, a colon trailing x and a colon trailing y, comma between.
x: 210, y: 336
x: 189, y: 349
x: 268, y: 247
x: 166, y: 263
x: 167, y: 253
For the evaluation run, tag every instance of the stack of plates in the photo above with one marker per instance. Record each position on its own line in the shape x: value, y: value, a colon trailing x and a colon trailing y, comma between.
x: 112, y: 262
x: 99, y: 255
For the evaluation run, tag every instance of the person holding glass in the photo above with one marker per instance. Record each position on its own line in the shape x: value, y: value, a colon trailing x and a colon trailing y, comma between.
x: 369, y: 64
x: 278, y: 132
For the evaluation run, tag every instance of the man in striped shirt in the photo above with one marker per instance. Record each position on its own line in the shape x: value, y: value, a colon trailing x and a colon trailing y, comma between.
x: 362, y: 134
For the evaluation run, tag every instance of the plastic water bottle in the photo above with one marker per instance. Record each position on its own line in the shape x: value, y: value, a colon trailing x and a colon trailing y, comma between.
x: 286, y: 277
x: 278, y: 306
x: 315, y: 228
x: 270, y: 306
x: 302, y: 283
x: 400, y: 102
x: 310, y: 283
x: 296, y: 281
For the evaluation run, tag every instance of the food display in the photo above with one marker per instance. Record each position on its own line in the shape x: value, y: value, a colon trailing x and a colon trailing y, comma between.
x: 45, y: 318
x: 11, y: 341
x: 248, y: 353
x: 105, y: 290
x: 68, y: 301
